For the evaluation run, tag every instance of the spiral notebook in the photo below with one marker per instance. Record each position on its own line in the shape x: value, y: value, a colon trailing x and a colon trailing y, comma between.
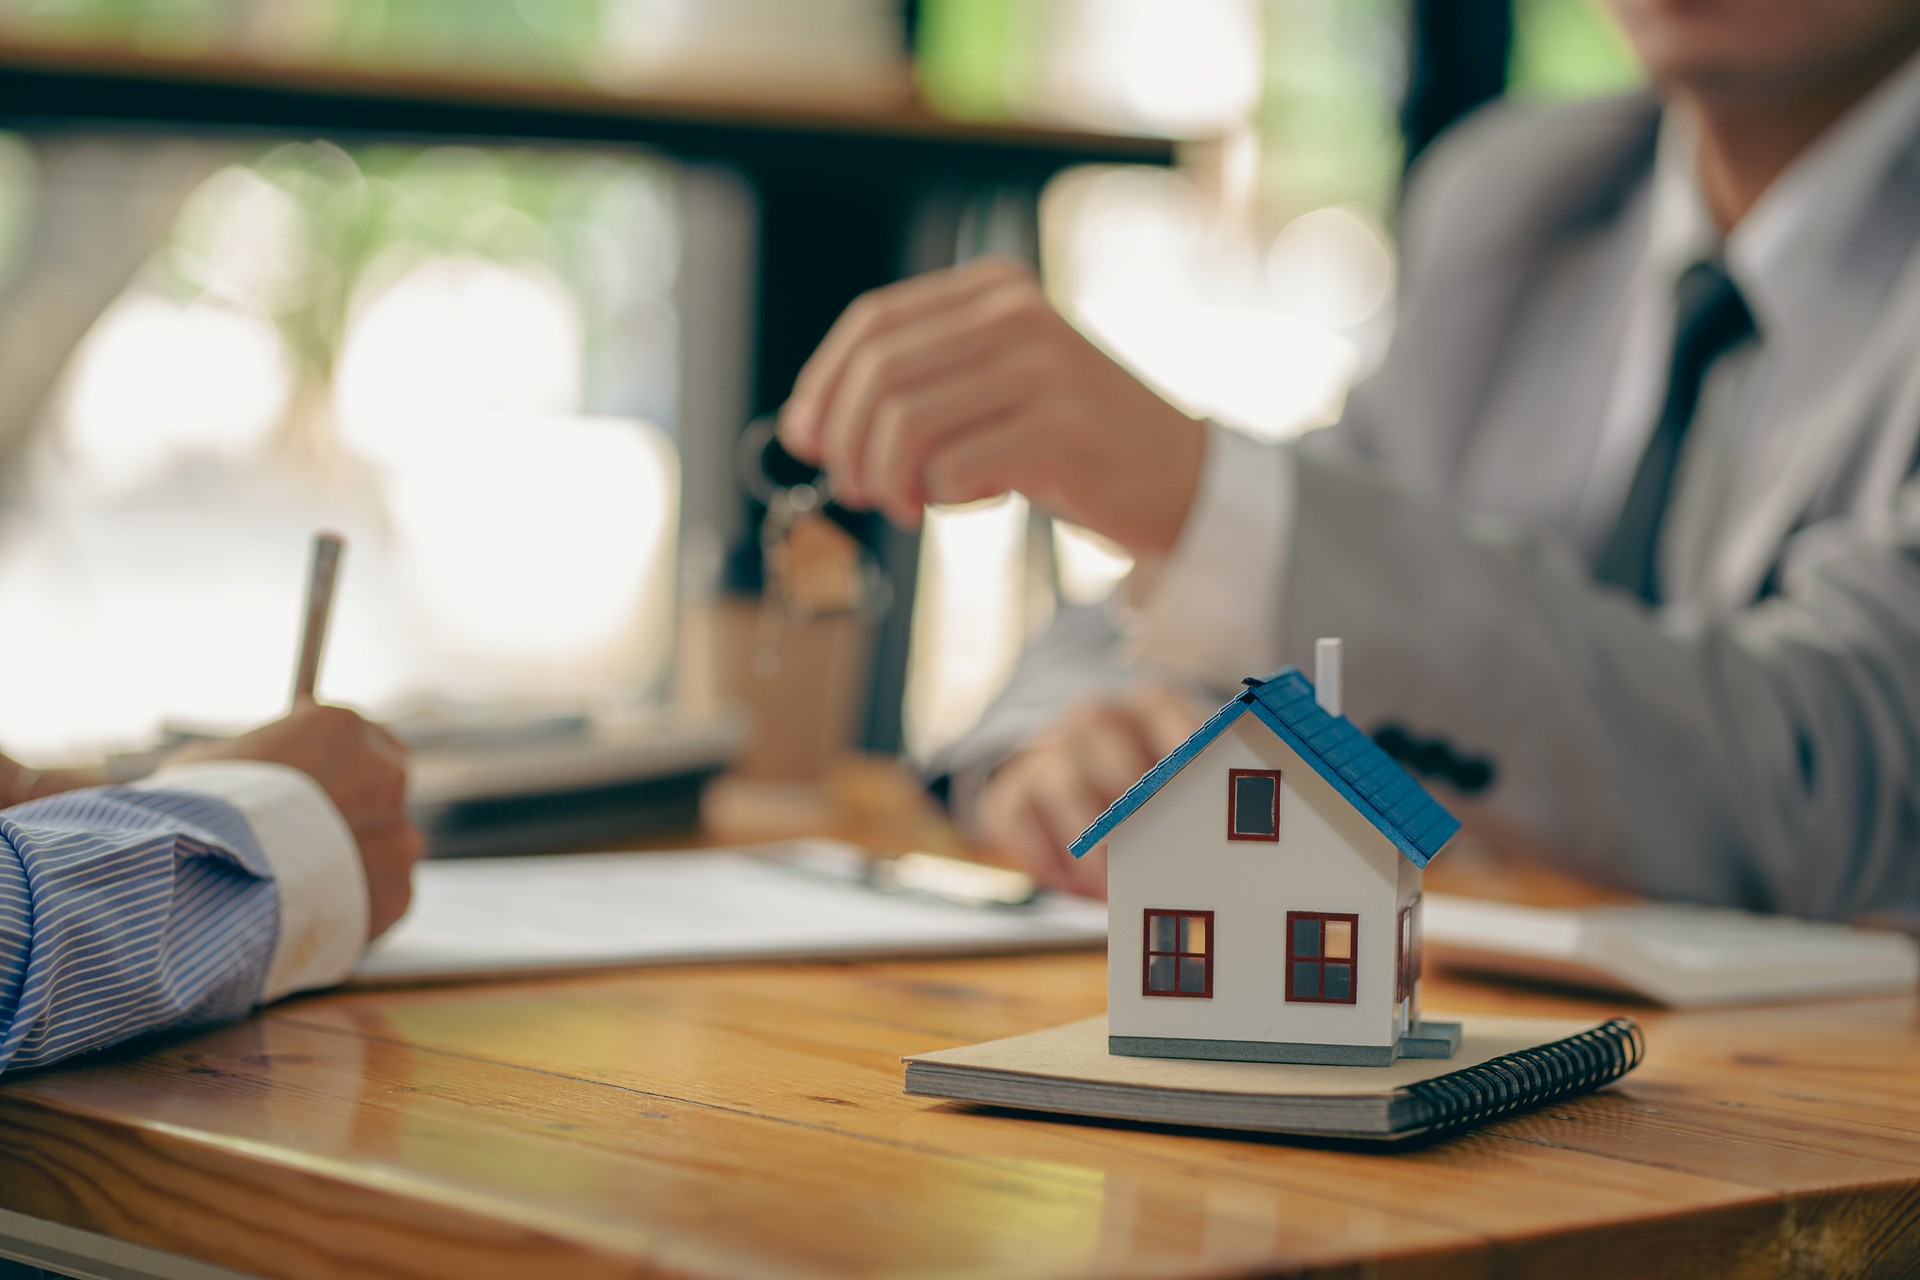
x: 1504, y: 1065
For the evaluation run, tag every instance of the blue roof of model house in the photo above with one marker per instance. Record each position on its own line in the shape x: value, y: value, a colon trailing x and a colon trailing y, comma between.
x: 1333, y: 747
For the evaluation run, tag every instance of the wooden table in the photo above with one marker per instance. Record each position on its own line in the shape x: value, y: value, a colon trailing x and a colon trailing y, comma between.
x: 748, y: 1121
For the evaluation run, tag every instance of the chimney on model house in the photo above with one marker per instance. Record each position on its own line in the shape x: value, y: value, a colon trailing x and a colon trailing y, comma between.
x: 1326, y: 674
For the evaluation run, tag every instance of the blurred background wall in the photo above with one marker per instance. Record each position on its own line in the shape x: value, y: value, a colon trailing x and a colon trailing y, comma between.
x: 492, y: 364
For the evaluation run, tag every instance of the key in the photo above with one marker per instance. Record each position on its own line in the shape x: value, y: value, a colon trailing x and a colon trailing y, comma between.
x: 811, y: 567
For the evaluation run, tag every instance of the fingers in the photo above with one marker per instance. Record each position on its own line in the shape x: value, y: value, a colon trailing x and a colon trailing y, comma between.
x: 965, y: 384
x: 941, y: 353
x: 999, y: 457
x: 1054, y: 865
x: 384, y: 744
x: 360, y: 765
x: 1165, y: 717
x: 1113, y: 762
x: 905, y: 389
x: 911, y: 426
x: 388, y: 855
x: 1035, y: 806
x: 1108, y: 747
x: 1040, y: 801
x: 873, y: 314
x: 1067, y: 800
x: 363, y: 770
x: 1085, y: 875
x: 1064, y: 803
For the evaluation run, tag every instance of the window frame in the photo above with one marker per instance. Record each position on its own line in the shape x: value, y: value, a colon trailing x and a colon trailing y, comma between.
x: 1407, y: 960
x: 1352, y: 961
x: 1147, y: 952
x: 1233, y: 804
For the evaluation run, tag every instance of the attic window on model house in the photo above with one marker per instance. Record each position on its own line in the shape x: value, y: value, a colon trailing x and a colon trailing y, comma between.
x: 1253, y: 804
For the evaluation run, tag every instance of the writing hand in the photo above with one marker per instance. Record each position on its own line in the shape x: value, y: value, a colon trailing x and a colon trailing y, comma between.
x: 363, y: 770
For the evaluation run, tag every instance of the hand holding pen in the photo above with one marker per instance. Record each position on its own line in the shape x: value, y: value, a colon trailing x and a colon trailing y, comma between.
x: 361, y: 767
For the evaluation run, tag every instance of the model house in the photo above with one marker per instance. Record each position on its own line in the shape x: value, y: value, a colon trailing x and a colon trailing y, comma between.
x: 1263, y: 884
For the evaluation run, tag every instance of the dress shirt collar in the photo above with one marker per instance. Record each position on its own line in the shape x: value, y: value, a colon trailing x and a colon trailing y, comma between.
x: 1782, y: 253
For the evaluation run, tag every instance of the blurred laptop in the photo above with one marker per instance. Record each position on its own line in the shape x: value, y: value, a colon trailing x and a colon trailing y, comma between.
x: 534, y: 783
x: 487, y: 781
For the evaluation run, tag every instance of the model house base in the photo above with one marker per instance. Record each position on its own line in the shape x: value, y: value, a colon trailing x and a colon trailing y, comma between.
x: 1425, y: 1040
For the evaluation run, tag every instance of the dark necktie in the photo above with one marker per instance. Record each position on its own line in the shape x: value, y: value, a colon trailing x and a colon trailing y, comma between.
x: 1711, y: 319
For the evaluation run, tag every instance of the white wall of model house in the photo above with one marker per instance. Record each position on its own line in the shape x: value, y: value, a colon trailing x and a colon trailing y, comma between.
x: 1173, y: 854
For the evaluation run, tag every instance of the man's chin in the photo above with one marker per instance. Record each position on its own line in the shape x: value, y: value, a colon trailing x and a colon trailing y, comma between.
x: 1757, y: 54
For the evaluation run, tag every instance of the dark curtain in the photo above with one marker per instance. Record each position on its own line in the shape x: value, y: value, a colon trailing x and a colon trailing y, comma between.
x: 1456, y: 60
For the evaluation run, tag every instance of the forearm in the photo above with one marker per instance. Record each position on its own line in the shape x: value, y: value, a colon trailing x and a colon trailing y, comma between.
x: 20, y: 785
x: 130, y: 910
x: 122, y: 917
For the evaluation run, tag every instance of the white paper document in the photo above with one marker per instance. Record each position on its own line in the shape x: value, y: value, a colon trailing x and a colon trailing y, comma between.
x: 802, y: 899
x: 1680, y: 955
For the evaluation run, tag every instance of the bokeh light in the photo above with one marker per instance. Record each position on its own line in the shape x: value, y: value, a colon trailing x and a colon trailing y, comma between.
x: 157, y: 380
x: 450, y: 339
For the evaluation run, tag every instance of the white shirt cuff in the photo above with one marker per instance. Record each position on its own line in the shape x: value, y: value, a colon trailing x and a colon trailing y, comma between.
x: 1211, y: 610
x: 314, y: 860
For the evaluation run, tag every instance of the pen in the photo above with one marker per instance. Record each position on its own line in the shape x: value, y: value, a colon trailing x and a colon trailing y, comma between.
x: 313, y: 634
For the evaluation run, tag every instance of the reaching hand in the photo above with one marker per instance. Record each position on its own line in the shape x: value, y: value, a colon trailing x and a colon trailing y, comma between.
x: 964, y: 384
x: 19, y: 784
x: 363, y: 770
x: 1039, y: 800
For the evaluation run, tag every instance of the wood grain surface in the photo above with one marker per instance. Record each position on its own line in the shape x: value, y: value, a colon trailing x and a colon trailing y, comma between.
x: 749, y: 1121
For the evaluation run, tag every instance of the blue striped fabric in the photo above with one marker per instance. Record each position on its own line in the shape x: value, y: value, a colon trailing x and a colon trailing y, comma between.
x: 127, y: 911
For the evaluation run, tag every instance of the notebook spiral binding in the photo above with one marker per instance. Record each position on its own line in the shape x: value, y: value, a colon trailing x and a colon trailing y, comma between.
x: 1516, y: 1081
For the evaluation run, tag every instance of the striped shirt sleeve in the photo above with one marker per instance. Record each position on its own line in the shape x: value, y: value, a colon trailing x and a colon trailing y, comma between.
x: 125, y: 911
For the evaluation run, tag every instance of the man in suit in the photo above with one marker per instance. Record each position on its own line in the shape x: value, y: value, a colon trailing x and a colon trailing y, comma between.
x: 1624, y: 535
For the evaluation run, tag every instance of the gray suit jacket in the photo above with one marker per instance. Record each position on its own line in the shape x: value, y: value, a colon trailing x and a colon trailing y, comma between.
x: 1759, y: 744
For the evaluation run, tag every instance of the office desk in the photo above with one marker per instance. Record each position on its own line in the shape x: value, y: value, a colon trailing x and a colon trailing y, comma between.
x: 748, y: 1121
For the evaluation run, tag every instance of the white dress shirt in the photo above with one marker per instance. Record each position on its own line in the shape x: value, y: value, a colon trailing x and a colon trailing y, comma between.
x: 315, y: 866
x: 183, y: 901
x: 1212, y: 609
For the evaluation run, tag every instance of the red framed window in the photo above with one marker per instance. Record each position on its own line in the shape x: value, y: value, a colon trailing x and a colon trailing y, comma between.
x: 1253, y: 804
x: 1179, y: 954
x: 1322, y: 957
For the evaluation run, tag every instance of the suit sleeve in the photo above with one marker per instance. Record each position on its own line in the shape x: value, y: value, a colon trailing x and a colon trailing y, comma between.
x: 128, y: 910
x: 1768, y: 759
x: 1077, y: 656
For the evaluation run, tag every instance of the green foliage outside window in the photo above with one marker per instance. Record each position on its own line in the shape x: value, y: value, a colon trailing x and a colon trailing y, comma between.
x: 1568, y: 49
x: 963, y: 55
x: 365, y: 217
x: 1327, y: 119
x: 551, y: 37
